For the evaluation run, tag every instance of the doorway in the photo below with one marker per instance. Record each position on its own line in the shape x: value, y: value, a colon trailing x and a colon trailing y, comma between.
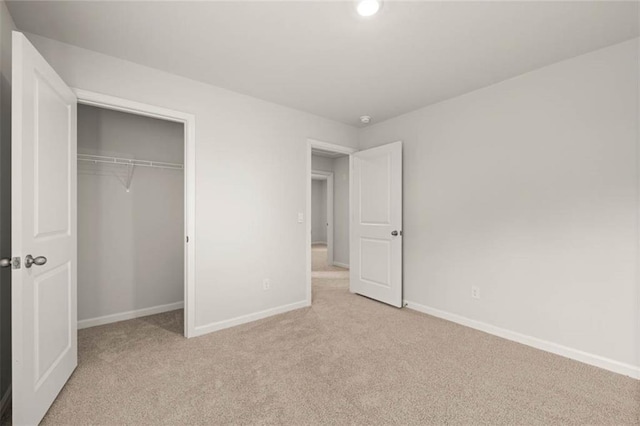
x: 322, y: 205
x: 374, y: 219
x: 328, y: 213
x: 130, y: 210
x: 151, y: 166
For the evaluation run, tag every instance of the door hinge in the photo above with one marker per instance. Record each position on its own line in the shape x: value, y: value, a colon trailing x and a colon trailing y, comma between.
x: 15, y: 262
x: 187, y: 239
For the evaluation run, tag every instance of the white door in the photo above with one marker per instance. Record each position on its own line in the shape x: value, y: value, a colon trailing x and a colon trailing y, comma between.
x: 376, y: 223
x: 43, y: 212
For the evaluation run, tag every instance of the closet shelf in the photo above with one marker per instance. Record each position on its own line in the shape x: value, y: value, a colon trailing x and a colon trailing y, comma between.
x: 129, y: 162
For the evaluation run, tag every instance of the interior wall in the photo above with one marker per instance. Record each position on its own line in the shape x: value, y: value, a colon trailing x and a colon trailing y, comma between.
x: 318, y: 211
x: 528, y: 189
x: 130, y: 244
x: 321, y: 163
x: 6, y: 26
x: 247, y: 203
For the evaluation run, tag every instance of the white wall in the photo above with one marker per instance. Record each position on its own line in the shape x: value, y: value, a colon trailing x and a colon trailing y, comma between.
x: 321, y: 163
x: 248, y: 153
x: 318, y: 211
x: 528, y: 189
x: 130, y: 244
x: 6, y: 26
x: 341, y: 210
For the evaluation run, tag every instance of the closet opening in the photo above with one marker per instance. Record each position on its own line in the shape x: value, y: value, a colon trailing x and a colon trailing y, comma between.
x: 133, y: 216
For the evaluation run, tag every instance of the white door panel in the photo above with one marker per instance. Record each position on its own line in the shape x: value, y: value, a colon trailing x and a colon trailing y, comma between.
x: 375, y: 188
x: 44, y: 307
x: 376, y: 200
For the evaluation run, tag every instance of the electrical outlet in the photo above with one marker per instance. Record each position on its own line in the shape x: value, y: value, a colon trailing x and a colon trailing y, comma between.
x: 266, y: 284
x: 300, y: 217
x: 475, y: 292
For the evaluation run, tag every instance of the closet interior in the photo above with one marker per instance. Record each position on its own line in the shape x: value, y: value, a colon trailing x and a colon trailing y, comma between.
x: 131, y: 200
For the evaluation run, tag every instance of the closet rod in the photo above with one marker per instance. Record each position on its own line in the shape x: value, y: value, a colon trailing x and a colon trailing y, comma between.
x: 129, y: 162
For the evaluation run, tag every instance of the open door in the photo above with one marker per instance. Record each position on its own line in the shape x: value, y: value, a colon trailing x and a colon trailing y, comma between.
x: 43, y: 212
x: 376, y: 223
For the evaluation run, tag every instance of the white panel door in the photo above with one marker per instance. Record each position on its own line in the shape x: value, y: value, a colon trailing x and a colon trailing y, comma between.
x: 43, y: 212
x: 376, y: 223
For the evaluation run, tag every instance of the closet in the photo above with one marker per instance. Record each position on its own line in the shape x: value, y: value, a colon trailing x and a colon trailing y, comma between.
x: 130, y: 216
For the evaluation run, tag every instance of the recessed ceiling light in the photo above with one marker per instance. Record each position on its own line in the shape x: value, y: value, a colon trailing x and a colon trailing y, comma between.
x: 365, y: 119
x: 368, y: 7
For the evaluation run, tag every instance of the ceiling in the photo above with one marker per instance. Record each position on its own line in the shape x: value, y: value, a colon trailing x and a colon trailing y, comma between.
x: 322, y: 58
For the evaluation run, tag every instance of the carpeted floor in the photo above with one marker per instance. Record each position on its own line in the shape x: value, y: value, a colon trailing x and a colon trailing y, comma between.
x: 345, y: 360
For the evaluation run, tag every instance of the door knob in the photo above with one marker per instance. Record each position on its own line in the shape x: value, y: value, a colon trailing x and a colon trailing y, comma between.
x: 394, y: 233
x: 5, y: 262
x: 30, y: 260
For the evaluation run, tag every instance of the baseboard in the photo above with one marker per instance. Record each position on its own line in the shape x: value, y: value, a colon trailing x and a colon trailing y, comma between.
x: 5, y: 401
x: 319, y: 242
x: 220, y: 325
x: 567, y: 352
x: 108, y: 319
x: 342, y: 265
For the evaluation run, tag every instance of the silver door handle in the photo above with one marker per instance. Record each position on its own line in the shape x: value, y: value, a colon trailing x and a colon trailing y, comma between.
x: 30, y: 260
x: 5, y: 262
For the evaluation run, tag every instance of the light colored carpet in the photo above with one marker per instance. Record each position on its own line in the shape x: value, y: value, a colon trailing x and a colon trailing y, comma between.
x: 324, y: 275
x: 346, y: 360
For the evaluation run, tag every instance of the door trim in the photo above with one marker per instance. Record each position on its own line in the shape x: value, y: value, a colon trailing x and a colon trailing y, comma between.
x: 101, y: 100
x: 327, y: 177
x: 325, y: 146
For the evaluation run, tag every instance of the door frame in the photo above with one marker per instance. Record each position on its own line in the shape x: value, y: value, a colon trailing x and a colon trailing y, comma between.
x: 330, y: 147
x: 328, y: 178
x: 86, y: 97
